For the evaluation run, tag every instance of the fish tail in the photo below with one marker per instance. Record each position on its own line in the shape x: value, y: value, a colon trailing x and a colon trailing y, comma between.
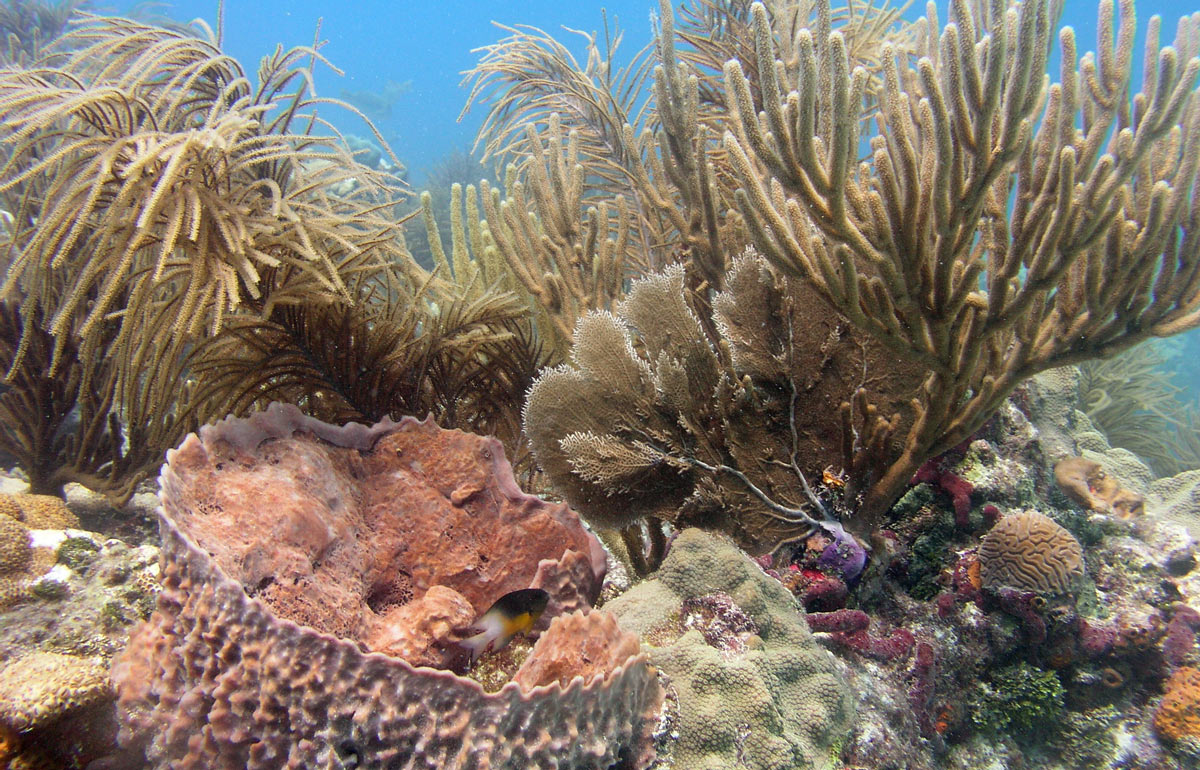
x: 478, y: 644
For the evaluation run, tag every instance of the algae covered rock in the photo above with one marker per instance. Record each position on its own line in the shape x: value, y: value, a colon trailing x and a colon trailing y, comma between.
x: 754, y: 688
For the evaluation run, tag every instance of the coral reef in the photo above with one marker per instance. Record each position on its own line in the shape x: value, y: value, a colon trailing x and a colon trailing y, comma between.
x: 843, y: 401
x: 766, y: 698
x: 288, y: 542
x: 866, y: 244
x: 1030, y: 552
x: 1090, y: 660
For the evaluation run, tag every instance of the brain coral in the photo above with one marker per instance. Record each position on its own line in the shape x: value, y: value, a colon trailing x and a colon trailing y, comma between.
x: 770, y: 700
x: 290, y: 545
x: 1030, y: 552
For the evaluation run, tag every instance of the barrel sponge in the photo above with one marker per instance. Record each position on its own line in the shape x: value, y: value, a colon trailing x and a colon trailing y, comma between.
x: 234, y: 670
x: 1030, y: 552
x: 774, y: 702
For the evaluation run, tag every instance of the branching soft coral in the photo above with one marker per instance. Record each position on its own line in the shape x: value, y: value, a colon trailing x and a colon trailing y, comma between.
x: 655, y: 421
x: 185, y: 243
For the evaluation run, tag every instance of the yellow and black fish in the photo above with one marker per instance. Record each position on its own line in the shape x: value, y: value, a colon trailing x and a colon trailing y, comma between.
x: 512, y: 614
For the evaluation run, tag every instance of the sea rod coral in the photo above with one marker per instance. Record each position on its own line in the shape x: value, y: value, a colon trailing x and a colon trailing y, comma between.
x: 1001, y: 224
x: 292, y: 550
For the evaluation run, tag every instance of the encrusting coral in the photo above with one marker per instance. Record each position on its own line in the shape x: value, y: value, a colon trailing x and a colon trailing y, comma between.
x: 38, y: 511
x: 754, y: 688
x: 15, y: 551
x: 42, y: 687
x: 289, y: 545
x: 56, y: 711
x: 1085, y: 482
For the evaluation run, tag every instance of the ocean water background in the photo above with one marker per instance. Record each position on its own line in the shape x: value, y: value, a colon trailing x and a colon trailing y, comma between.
x: 420, y: 51
x: 424, y: 47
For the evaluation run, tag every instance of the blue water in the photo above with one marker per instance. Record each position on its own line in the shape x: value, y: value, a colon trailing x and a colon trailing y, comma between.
x: 425, y: 46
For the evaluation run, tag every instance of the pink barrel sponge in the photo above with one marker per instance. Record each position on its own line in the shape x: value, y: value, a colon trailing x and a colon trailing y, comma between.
x: 316, y: 580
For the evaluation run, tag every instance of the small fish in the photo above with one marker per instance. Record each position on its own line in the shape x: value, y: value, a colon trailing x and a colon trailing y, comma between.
x: 513, y: 613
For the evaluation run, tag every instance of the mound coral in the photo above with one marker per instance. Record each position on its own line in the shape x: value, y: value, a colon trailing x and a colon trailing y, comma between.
x: 768, y: 699
x: 15, y: 557
x: 55, y: 711
x: 15, y: 551
x: 41, y: 687
x: 38, y: 511
x: 290, y: 548
x: 1030, y: 552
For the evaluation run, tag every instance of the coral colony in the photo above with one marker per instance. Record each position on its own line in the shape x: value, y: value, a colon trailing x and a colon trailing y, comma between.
x: 754, y: 421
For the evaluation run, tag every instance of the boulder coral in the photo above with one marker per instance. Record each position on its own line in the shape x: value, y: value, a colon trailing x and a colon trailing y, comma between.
x: 1030, y: 552
x: 289, y: 544
x: 55, y: 711
x: 770, y: 699
x: 41, y: 687
x: 15, y: 557
x: 38, y: 511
